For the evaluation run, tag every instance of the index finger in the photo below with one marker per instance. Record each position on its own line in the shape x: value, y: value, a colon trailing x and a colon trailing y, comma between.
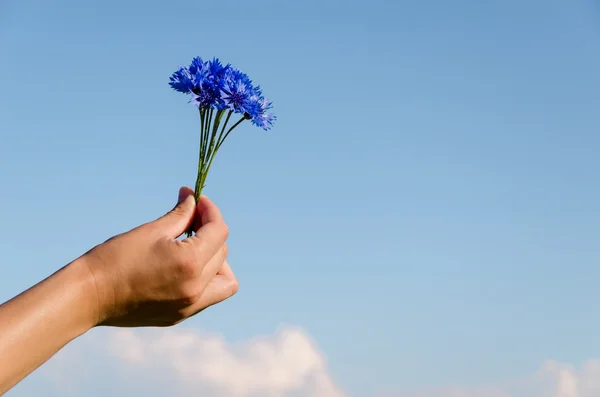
x: 207, y: 212
x: 212, y: 232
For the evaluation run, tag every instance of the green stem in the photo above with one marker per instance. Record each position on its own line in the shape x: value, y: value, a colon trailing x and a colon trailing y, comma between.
x: 203, y: 138
x: 204, y: 154
x: 213, y: 135
x: 214, y: 152
x: 212, y: 157
x: 203, y: 116
x: 211, y: 151
x: 207, y: 137
x: 225, y: 125
x: 208, y: 153
x: 228, y: 131
x: 202, y: 149
x: 219, y: 143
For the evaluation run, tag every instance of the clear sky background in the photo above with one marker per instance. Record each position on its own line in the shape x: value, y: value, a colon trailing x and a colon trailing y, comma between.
x: 427, y: 207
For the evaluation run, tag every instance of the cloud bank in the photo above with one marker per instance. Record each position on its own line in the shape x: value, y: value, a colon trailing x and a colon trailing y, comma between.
x: 186, y: 363
x: 189, y: 363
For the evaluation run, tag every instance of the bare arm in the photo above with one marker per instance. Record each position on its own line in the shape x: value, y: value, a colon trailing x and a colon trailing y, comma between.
x: 141, y: 278
x: 40, y: 321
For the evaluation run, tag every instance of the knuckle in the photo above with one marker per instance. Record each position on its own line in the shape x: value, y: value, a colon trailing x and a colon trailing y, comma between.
x: 224, y: 230
x: 225, y: 250
x: 235, y: 286
x: 189, y: 294
x: 186, y: 266
x: 218, y: 231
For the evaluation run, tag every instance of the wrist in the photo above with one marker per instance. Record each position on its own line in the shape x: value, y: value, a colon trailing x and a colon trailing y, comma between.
x: 85, y: 287
x: 99, y: 291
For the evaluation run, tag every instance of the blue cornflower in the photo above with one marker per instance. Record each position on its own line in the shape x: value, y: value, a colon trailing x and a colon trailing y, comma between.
x: 252, y: 108
x: 264, y: 119
x: 196, y: 65
x: 204, y: 92
x: 217, y: 71
x: 236, y: 74
x: 236, y: 91
x: 236, y: 96
x: 202, y: 100
x: 206, y: 96
x: 181, y: 80
x: 214, y: 82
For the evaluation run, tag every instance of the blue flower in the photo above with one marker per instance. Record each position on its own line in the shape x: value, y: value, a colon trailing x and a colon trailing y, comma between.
x: 263, y: 119
x: 204, y: 93
x: 196, y: 65
x: 252, y: 108
x: 236, y: 91
x: 198, y: 79
x: 212, y: 85
x: 236, y: 96
x: 237, y: 75
x: 181, y: 80
x: 206, y: 96
x: 217, y: 71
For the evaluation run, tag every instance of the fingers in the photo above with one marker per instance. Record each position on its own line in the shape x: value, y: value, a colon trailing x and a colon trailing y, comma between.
x: 222, y: 286
x: 198, y: 275
x: 226, y: 270
x: 213, y: 233
x: 213, y: 267
x: 179, y: 219
x: 207, y: 212
x: 216, y: 280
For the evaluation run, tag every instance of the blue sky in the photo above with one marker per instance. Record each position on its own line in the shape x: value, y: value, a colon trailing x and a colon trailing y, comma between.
x: 427, y: 207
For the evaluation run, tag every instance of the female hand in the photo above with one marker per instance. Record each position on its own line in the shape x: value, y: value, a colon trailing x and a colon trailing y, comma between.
x: 146, y: 277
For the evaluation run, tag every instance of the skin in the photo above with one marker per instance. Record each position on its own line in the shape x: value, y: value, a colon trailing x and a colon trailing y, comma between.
x: 141, y: 278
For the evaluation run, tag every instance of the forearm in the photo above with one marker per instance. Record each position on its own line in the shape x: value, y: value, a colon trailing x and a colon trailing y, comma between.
x: 39, y: 322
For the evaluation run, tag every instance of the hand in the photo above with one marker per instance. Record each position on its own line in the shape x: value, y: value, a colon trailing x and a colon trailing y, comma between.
x: 141, y: 278
x: 146, y: 277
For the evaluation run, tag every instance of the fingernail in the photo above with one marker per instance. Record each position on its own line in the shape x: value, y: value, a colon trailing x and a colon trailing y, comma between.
x: 183, y: 194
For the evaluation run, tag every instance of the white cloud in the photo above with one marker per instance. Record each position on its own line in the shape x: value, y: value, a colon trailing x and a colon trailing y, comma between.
x: 285, y: 364
x: 553, y: 379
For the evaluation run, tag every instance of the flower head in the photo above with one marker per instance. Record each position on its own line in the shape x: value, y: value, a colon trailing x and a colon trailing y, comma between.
x: 181, y: 80
x: 196, y: 65
x: 236, y: 91
x: 216, y: 70
x: 236, y: 96
x: 205, y: 90
x: 212, y: 85
x: 264, y: 119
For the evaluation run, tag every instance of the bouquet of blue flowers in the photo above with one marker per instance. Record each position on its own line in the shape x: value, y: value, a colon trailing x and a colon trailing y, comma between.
x: 219, y: 91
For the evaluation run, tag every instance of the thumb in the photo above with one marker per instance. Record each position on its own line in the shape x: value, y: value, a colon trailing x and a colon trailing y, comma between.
x: 179, y: 219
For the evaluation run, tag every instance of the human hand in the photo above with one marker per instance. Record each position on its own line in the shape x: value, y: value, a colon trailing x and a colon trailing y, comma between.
x: 146, y: 277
